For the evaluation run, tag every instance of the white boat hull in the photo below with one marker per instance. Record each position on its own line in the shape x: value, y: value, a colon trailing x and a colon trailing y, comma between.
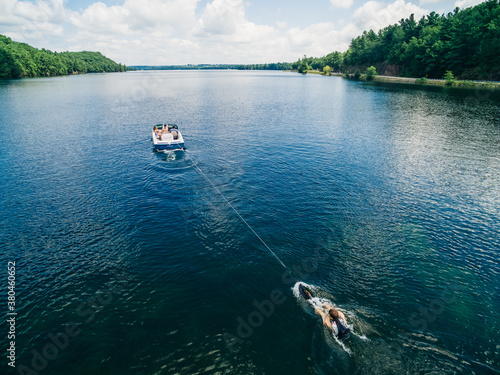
x: 167, y: 141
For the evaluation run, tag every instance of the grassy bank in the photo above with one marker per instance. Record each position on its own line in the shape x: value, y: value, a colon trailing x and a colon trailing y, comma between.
x: 426, y: 82
x: 437, y: 82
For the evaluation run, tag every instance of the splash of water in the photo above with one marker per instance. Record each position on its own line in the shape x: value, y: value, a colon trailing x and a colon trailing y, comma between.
x: 318, y: 303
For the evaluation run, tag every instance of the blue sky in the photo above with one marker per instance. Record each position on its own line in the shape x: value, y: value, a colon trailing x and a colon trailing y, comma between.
x: 138, y: 32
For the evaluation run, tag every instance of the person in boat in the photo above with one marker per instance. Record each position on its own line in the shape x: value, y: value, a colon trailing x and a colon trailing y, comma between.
x: 165, y: 129
x: 157, y: 132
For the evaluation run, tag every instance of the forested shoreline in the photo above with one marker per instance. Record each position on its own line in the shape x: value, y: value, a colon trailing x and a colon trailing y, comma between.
x: 465, y: 42
x: 18, y: 60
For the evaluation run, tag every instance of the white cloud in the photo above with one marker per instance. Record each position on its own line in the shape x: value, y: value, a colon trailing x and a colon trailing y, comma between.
x: 462, y: 4
x: 376, y: 15
x: 182, y: 31
x: 422, y: 2
x: 139, y: 31
x: 222, y: 17
x: 98, y: 18
x: 170, y: 33
x: 320, y: 39
x: 341, y: 3
x: 224, y: 29
x: 25, y: 20
x: 137, y: 16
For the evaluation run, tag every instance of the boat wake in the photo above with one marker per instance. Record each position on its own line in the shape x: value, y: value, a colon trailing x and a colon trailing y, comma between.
x: 318, y: 302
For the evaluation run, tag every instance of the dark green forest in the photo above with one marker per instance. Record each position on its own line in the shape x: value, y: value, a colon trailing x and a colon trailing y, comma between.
x: 19, y: 60
x: 466, y: 42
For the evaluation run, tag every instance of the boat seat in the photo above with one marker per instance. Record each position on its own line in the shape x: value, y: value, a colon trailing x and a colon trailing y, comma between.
x: 166, y: 137
x: 174, y: 133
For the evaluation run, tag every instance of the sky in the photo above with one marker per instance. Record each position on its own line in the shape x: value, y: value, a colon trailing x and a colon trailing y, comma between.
x: 176, y: 32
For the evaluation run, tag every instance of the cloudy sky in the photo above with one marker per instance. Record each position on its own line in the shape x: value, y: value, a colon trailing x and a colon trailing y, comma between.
x: 156, y: 32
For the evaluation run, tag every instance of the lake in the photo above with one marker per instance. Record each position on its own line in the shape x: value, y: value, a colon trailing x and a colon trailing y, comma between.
x: 384, y: 199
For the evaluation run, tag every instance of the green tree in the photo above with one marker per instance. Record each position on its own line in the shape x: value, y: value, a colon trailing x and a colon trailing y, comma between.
x: 9, y: 67
x: 304, y: 66
x: 21, y: 60
x: 334, y: 60
x: 465, y: 41
x: 327, y: 70
x: 449, y: 78
x: 370, y: 72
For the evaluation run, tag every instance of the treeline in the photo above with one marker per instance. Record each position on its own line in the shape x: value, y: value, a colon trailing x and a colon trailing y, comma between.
x: 19, y: 60
x: 466, y: 42
x: 271, y: 66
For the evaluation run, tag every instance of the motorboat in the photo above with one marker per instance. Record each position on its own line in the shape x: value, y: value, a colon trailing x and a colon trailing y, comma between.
x: 167, y: 137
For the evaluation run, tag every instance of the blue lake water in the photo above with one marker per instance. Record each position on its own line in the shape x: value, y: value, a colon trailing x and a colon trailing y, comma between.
x: 384, y: 199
